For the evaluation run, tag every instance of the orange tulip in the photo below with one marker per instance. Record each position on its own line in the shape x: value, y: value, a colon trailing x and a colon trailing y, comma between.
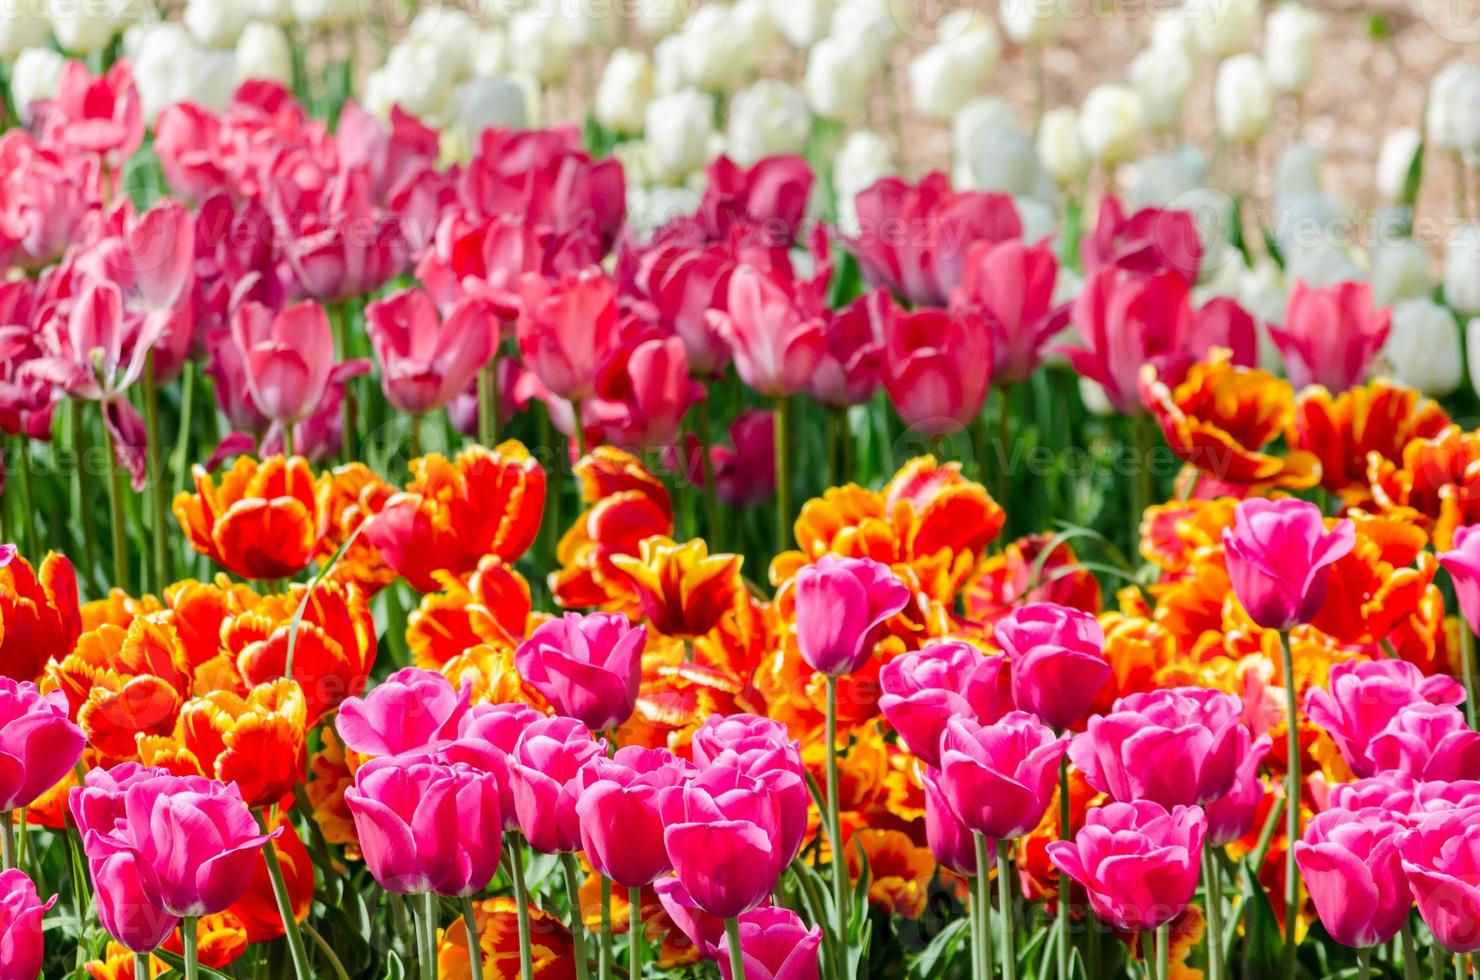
x: 265, y: 520
x: 678, y: 694
x: 329, y: 776
x: 356, y: 493
x: 1177, y: 535
x: 1028, y: 571
x: 257, y: 909
x: 1379, y: 583
x: 684, y: 590
x: 118, y: 608
x: 900, y: 869
x: 492, y: 605
x: 39, y: 617
x: 453, y: 512
x: 1344, y: 431
x: 221, y: 937
x: 498, y: 943
x: 675, y: 951
x: 118, y: 964
x: 1436, y: 484
x: 489, y: 674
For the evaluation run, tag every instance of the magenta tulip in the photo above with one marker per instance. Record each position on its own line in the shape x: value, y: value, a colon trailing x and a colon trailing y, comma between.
x: 1440, y: 855
x: 426, y: 361
x: 1351, y: 867
x: 1150, y: 240
x: 1232, y: 815
x: 39, y: 744
x: 408, y: 710
x: 486, y: 737
x: 745, y: 471
x: 765, y: 202
x: 1462, y: 562
x: 1125, y: 320
x: 288, y: 357
x: 544, y: 771
x: 587, y: 666
x: 426, y: 826
x: 22, y: 947
x: 761, y: 748
x: 1331, y: 335
x: 739, y: 733
x: 722, y: 833
x: 1433, y: 795
x: 621, y: 826
x: 999, y: 778
x: 841, y: 607
x: 1429, y: 742
x: 774, y: 945
x: 1279, y: 556
x: 851, y: 367
x: 1174, y: 746
x: 948, y: 838
x: 1363, y: 697
x: 701, y: 929
x: 567, y: 329
x: 776, y: 340
x: 643, y: 392
x: 924, y: 689
x: 1013, y: 284
x: 1391, y: 791
x: 100, y: 115
x: 1057, y: 655
x: 1138, y: 861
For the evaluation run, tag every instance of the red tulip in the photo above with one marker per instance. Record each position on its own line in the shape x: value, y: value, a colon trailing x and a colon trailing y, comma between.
x: 424, y: 360
x: 1127, y: 319
x: 395, y: 152
x: 745, y: 475
x: 567, y: 329
x: 1330, y: 335
x: 339, y: 244
x: 46, y: 195
x: 765, y: 202
x: 851, y: 367
x: 1013, y: 284
x: 643, y: 393
x: 937, y: 368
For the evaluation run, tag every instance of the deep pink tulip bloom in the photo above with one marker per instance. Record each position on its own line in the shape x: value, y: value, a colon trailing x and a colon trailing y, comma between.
x: 764, y: 749
x: 1013, y: 284
x: 544, y: 771
x: 125, y: 911
x: 1395, y: 792
x: 1125, y: 320
x: 410, y: 709
x: 1437, y: 794
x: 1331, y: 335
x: 643, y: 392
x: 935, y: 368
x: 587, y: 666
x: 288, y: 357
x: 841, y: 607
x: 701, y: 929
x: 1440, y: 855
x: 924, y: 689
x: 852, y: 363
x: 395, y: 152
x: 427, y: 826
x: 913, y: 239
x: 1057, y: 656
x: 774, y: 945
x: 621, y: 826
x: 101, y: 115
x: 46, y: 193
x: 999, y: 778
x: 1150, y: 240
x: 948, y: 838
x: 745, y: 471
x: 1427, y: 741
x: 567, y: 329
x: 722, y: 833
x: 1362, y: 697
x: 1232, y: 815
x: 39, y: 743
x: 776, y: 340
x: 766, y: 201
x: 1173, y: 746
x: 741, y: 733
x: 1138, y: 861
x: 1351, y: 867
x: 424, y: 360
x: 486, y: 735
x: 681, y: 283
x: 1221, y: 322
x: 1279, y: 555
x: 22, y: 947
x: 339, y: 243
x: 1462, y: 562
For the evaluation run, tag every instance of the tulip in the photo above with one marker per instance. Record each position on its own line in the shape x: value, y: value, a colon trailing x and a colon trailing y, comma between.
x: 1439, y: 856
x: 1462, y: 562
x: 1291, y: 34
x: 288, y: 357
x: 101, y: 116
x: 745, y: 471
x: 765, y: 750
x: 1126, y: 319
x: 621, y: 826
x: 936, y: 368
x: 544, y: 770
x: 22, y: 947
x: 1424, y: 348
x: 1058, y: 660
x: 587, y: 667
x: 924, y: 689
x: 701, y: 929
x: 776, y: 341
x: 999, y: 778
x: 39, y: 745
x: 1149, y: 241
x: 339, y: 244
x: 1363, y: 697
x: 773, y: 944
x: 125, y: 911
x: 643, y: 393
x: 1279, y: 555
x: 1352, y: 868
x: 1427, y: 741
x: 722, y: 836
x: 1461, y: 262
x: 948, y: 838
x: 425, y: 361
x: 841, y: 606
x: 767, y: 201
x: 1391, y: 791
x: 1013, y: 283
x: 1111, y: 124
x: 408, y: 710
x: 1232, y: 815
x: 625, y: 89
x: 566, y: 330
x: 1243, y: 99
x: 427, y: 826
x: 849, y: 370
x: 1138, y: 861
x: 678, y: 132
x: 1330, y: 335
x: 769, y: 118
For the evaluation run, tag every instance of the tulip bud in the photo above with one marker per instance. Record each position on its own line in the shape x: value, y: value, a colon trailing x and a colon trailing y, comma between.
x: 768, y: 119
x: 950, y: 72
x: 801, y: 22
x: 414, y: 77
x: 678, y: 133
x: 659, y: 18
x: 215, y: 23
x: 21, y: 913
x: 837, y: 79
x: 841, y: 607
x: 1424, y: 347
x: 1161, y: 78
x: 540, y: 46
x: 1111, y: 124
x: 1462, y: 270
x: 82, y: 26
x: 1223, y: 27
x: 325, y: 13
x: 1291, y: 35
x: 991, y: 152
x: 263, y: 52
x: 1243, y: 102
x: 452, y: 32
x: 1060, y: 148
x: 1452, y: 118
x: 869, y: 28
x: 625, y: 89
x: 1400, y: 270
x: 1279, y: 555
x: 1395, y: 163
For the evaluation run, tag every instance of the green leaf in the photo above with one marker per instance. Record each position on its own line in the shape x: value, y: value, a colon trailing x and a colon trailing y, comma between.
x: 936, y: 957
x: 394, y: 970
x: 1263, y: 949
x: 1414, y: 179
x: 860, y: 890
x: 177, y: 965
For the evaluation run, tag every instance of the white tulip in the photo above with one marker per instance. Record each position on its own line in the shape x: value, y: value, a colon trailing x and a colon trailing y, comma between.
x: 22, y: 25
x: 1060, y: 149
x: 754, y: 37
x: 1400, y: 270
x: 325, y: 13
x: 1395, y: 162
x: 263, y: 52
x: 659, y: 18
x: 216, y: 79
x: 1033, y: 22
x: 1211, y: 211
x: 164, y: 59
x: 1453, y: 116
x: 1462, y: 270
x: 678, y: 131
x: 1298, y: 169
x: 864, y: 157
x: 949, y: 73
x: 707, y: 54
x: 768, y: 118
x: 991, y: 151
x: 490, y: 52
x: 1110, y: 124
x: 1424, y: 347
x: 1175, y: 31
x: 801, y: 22
x: 837, y: 79
x: 1163, y: 178
x: 82, y: 26
x: 273, y: 11
x: 37, y: 77
x: 1472, y: 351
x: 1224, y: 27
x: 215, y: 23
x: 1292, y: 33
x: 1161, y: 78
x: 484, y: 103
x: 540, y: 45
x: 417, y: 79
x: 868, y: 28
x: 625, y: 89
x: 1242, y: 101
x: 453, y: 32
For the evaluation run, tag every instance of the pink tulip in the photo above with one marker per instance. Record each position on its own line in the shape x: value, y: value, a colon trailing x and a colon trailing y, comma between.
x: 567, y: 329
x: 722, y: 834
x: 852, y: 363
x: 427, y: 827
x: 702, y: 930
x: 22, y: 947
x: 410, y: 709
x: 1232, y: 815
x: 1125, y: 320
x: 936, y: 368
x: 643, y: 392
x: 1331, y: 335
x: 1152, y: 240
x: 1363, y: 697
x: 1462, y: 562
x: 1172, y: 746
x: 999, y: 778
x: 1013, y: 284
x: 774, y: 945
x: 680, y: 283
x: 125, y: 911
x: 926, y: 688
x: 841, y: 607
x: 102, y: 115
x: 739, y: 733
x: 1279, y: 556
x: 39, y: 744
x: 1440, y: 855
x: 1429, y: 742
x: 745, y: 475
x: 544, y: 771
x: 777, y: 342
x: 1221, y: 322
x: 487, y: 735
x: 765, y: 202
x: 339, y: 243
x: 395, y: 152
x: 1058, y: 660
x: 587, y: 666
x: 1138, y: 861
x: 1350, y: 864
x: 424, y: 360
x: 1391, y: 791
x: 765, y: 750
x: 914, y: 240
x: 948, y: 838
x: 621, y: 827
x: 288, y: 357
x: 46, y: 195
x: 1433, y: 795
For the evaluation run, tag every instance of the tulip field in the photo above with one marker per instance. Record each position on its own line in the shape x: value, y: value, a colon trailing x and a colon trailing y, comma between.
x: 757, y: 489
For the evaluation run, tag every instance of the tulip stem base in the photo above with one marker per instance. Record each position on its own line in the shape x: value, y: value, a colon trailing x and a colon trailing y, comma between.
x: 141, y: 966
x: 1213, y: 899
x: 297, y: 952
x: 1467, y: 670
x: 514, y: 847
x: 1163, y: 950
x: 426, y: 937
x: 475, y: 948
x: 7, y: 841
x: 189, y: 940
x: 1292, y: 803
x: 834, y: 821
x: 577, y: 923
x: 1410, y: 952
x: 737, y: 958
x: 1065, y: 833
x: 1005, y: 913
x: 634, y: 933
x: 783, y: 474
x: 604, y: 965
x: 981, y: 910
x: 1364, y: 963
x: 488, y: 406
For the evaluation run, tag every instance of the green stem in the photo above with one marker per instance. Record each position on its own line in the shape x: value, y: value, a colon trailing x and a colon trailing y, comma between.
x: 577, y: 926
x: 982, y: 903
x: 1410, y: 952
x: 288, y: 443
x: 578, y: 428
x: 845, y: 440
x: 1144, y: 432
x: 783, y: 475
x: 604, y: 965
x: 514, y: 847
x: 1163, y: 951
x: 28, y: 488
x: 1004, y: 898
x: 1065, y: 833
x: 115, y: 511
x: 737, y: 959
x: 488, y: 403
x: 834, y: 821
x: 426, y: 921
x: 189, y: 938
x: 706, y: 467
x: 1467, y: 670
x: 340, y: 314
x: 1292, y: 805
x: 1364, y: 963
x: 475, y: 948
x: 7, y: 841
x: 178, y: 462
x: 1213, y: 898
x: 1004, y: 441
x: 634, y: 934
x: 413, y: 439
x: 158, y: 490
x: 85, y: 495
x: 297, y: 952
x: 141, y: 966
